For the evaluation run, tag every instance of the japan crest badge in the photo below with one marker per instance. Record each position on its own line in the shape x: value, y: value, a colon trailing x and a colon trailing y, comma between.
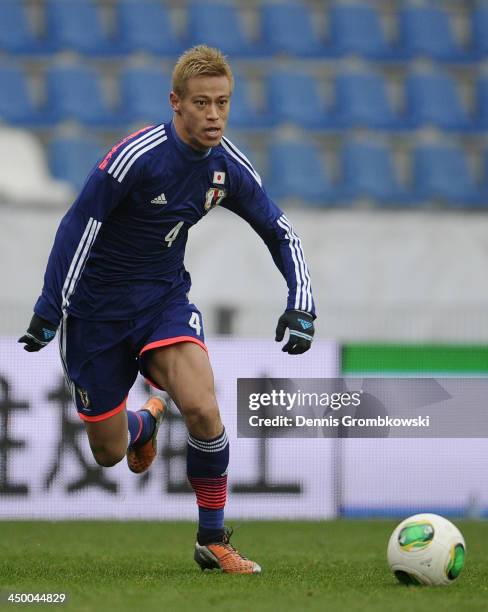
x: 214, y: 196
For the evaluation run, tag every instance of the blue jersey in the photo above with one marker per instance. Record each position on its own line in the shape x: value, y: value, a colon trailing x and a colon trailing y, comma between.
x: 119, y: 250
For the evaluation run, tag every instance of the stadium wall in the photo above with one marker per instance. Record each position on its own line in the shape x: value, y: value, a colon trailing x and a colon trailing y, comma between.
x: 411, y: 283
x: 377, y: 276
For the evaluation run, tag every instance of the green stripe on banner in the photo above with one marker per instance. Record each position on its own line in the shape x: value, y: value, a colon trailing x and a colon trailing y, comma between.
x: 414, y: 358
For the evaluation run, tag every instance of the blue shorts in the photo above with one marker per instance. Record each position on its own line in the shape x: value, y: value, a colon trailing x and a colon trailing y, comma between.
x: 101, y: 359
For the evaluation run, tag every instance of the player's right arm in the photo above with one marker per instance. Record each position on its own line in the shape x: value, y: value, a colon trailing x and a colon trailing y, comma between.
x: 74, y: 238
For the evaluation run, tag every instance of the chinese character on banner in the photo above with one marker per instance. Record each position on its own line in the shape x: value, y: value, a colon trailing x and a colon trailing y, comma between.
x: 7, y: 407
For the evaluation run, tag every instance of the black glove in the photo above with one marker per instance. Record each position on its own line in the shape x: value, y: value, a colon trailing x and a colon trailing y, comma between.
x: 301, y: 328
x: 39, y: 333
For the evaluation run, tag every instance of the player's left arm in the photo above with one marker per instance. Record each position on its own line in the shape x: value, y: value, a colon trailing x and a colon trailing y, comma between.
x: 250, y: 201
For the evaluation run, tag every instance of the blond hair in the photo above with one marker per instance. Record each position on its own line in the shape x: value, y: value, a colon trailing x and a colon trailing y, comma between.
x: 199, y: 61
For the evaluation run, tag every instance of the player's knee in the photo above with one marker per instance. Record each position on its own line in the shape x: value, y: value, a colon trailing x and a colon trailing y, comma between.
x: 201, y: 411
x: 108, y: 455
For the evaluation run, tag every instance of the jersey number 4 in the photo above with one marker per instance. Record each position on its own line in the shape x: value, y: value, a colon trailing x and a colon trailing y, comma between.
x: 173, y: 233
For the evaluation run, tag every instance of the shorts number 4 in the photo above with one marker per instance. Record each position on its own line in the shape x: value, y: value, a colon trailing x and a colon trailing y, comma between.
x: 195, y: 323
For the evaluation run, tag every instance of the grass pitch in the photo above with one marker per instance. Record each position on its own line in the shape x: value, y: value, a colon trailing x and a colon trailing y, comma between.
x: 145, y: 566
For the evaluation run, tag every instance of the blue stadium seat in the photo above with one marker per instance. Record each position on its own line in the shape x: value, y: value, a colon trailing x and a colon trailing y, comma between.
x: 433, y: 98
x: 294, y: 96
x: 481, y: 117
x: 297, y: 171
x: 16, y: 102
x: 368, y: 170
x: 145, y: 25
x: 357, y: 29
x: 484, y: 181
x: 16, y: 35
x: 144, y: 94
x: 426, y: 31
x: 219, y: 25
x: 362, y: 100
x: 243, y: 110
x: 288, y: 28
x: 441, y: 172
x: 75, y: 93
x: 71, y: 159
x: 76, y: 25
x: 479, y: 31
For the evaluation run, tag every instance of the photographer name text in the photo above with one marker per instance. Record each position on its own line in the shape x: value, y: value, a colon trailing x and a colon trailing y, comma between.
x: 296, y: 400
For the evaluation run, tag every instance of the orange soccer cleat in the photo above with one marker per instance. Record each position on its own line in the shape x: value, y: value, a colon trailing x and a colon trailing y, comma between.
x: 139, y: 458
x: 222, y: 555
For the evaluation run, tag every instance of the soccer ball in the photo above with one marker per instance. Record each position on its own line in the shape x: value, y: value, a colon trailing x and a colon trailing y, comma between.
x: 426, y: 549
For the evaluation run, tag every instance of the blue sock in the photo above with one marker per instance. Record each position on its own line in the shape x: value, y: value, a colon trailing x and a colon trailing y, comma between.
x: 207, y: 462
x: 141, y: 426
x: 210, y: 520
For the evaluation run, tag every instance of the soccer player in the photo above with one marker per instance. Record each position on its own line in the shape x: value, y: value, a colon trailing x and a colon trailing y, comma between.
x: 116, y: 290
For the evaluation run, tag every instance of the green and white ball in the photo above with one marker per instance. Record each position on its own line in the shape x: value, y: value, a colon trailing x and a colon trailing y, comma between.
x: 426, y: 549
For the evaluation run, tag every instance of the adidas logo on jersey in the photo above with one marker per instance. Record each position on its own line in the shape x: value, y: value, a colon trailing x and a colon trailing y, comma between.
x: 161, y: 199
